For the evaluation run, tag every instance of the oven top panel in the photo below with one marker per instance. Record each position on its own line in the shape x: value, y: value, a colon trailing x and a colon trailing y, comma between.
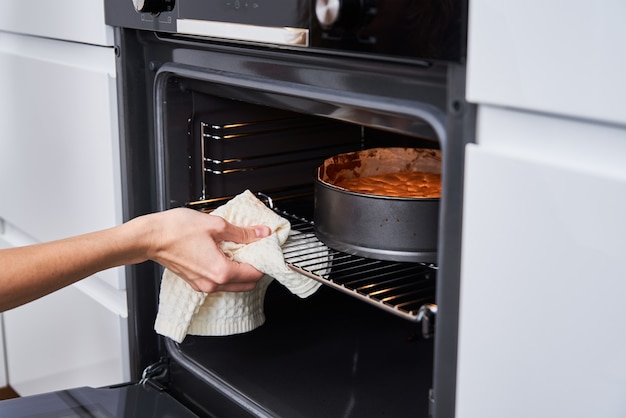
x: 413, y: 29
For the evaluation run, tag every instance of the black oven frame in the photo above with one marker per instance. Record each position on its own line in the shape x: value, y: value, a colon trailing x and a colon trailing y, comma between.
x: 431, y: 92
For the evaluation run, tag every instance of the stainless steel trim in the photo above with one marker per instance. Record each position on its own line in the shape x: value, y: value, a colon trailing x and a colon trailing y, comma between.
x: 242, y: 32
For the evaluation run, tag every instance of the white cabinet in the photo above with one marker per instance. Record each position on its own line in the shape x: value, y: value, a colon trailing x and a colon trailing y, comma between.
x: 60, y: 176
x: 76, y: 336
x: 59, y: 157
x: 70, y: 20
x: 543, y: 275
x: 64, y: 340
x: 566, y: 58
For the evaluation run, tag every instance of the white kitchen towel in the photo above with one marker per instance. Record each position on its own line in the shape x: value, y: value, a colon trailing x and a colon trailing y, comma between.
x: 184, y: 311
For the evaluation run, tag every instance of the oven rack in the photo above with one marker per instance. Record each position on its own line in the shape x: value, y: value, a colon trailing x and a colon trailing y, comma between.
x: 404, y: 289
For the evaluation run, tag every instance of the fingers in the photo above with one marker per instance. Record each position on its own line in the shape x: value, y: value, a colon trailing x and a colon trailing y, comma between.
x: 244, y: 272
x: 241, y: 235
x: 233, y: 277
x: 212, y: 287
x: 246, y: 235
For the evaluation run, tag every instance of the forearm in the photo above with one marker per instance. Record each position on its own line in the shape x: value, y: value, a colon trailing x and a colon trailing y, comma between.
x: 28, y: 273
x: 182, y: 240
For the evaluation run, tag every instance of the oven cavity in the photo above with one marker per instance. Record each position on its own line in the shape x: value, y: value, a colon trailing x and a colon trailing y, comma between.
x: 230, y: 146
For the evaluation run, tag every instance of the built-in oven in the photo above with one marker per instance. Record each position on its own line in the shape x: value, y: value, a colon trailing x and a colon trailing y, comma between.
x: 218, y: 97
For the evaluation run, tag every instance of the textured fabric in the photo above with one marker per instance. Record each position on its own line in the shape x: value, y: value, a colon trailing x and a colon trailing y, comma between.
x: 184, y: 311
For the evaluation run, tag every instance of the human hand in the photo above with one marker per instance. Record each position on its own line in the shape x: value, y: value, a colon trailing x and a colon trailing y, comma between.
x: 187, y: 243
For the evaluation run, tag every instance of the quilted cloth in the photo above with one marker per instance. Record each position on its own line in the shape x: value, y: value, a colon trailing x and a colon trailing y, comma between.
x: 184, y: 311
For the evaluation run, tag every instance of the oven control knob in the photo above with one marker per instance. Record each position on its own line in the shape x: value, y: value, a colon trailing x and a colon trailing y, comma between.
x: 153, y: 6
x: 344, y: 13
x: 327, y: 11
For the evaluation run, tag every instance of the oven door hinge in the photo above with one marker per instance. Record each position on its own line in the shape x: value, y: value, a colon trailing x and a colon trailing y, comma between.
x: 156, y: 375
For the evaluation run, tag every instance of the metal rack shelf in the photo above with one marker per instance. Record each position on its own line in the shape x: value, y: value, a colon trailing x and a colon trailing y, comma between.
x: 404, y: 289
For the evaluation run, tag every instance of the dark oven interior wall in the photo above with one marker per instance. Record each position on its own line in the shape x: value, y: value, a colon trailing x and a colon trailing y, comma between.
x: 141, y: 56
x: 275, y: 150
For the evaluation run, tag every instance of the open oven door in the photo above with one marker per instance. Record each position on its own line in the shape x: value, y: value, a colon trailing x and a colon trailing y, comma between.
x: 127, y: 401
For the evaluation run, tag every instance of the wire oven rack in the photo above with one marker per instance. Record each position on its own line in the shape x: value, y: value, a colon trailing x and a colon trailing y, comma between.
x: 403, y: 289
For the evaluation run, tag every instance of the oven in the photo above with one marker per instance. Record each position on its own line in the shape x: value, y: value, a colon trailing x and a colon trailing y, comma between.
x: 218, y: 97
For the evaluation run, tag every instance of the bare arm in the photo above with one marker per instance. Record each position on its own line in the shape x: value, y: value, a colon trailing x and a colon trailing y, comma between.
x: 183, y: 240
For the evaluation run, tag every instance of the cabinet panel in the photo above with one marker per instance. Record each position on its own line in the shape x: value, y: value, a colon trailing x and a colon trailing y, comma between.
x: 564, y: 58
x: 60, y: 176
x: 64, y: 340
x: 72, y: 20
x: 59, y: 153
x: 543, y: 275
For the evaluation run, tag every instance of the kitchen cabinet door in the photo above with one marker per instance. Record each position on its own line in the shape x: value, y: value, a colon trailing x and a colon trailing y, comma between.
x: 60, y: 176
x: 564, y: 58
x: 64, y: 340
x: 59, y: 153
x: 543, y: 274
x: 70, y: 20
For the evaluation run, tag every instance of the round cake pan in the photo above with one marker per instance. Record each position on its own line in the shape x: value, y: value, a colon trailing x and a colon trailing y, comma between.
x: 373, y: 226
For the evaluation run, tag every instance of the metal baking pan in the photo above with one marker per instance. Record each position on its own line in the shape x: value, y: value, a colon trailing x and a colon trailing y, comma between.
x: 374, y: 226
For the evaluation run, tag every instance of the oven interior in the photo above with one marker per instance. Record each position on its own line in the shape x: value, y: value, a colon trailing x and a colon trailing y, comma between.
x: 361, y: 345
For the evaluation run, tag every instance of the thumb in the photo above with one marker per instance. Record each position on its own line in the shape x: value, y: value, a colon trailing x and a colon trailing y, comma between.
x: 248, y: 234
x: 261, y: 231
